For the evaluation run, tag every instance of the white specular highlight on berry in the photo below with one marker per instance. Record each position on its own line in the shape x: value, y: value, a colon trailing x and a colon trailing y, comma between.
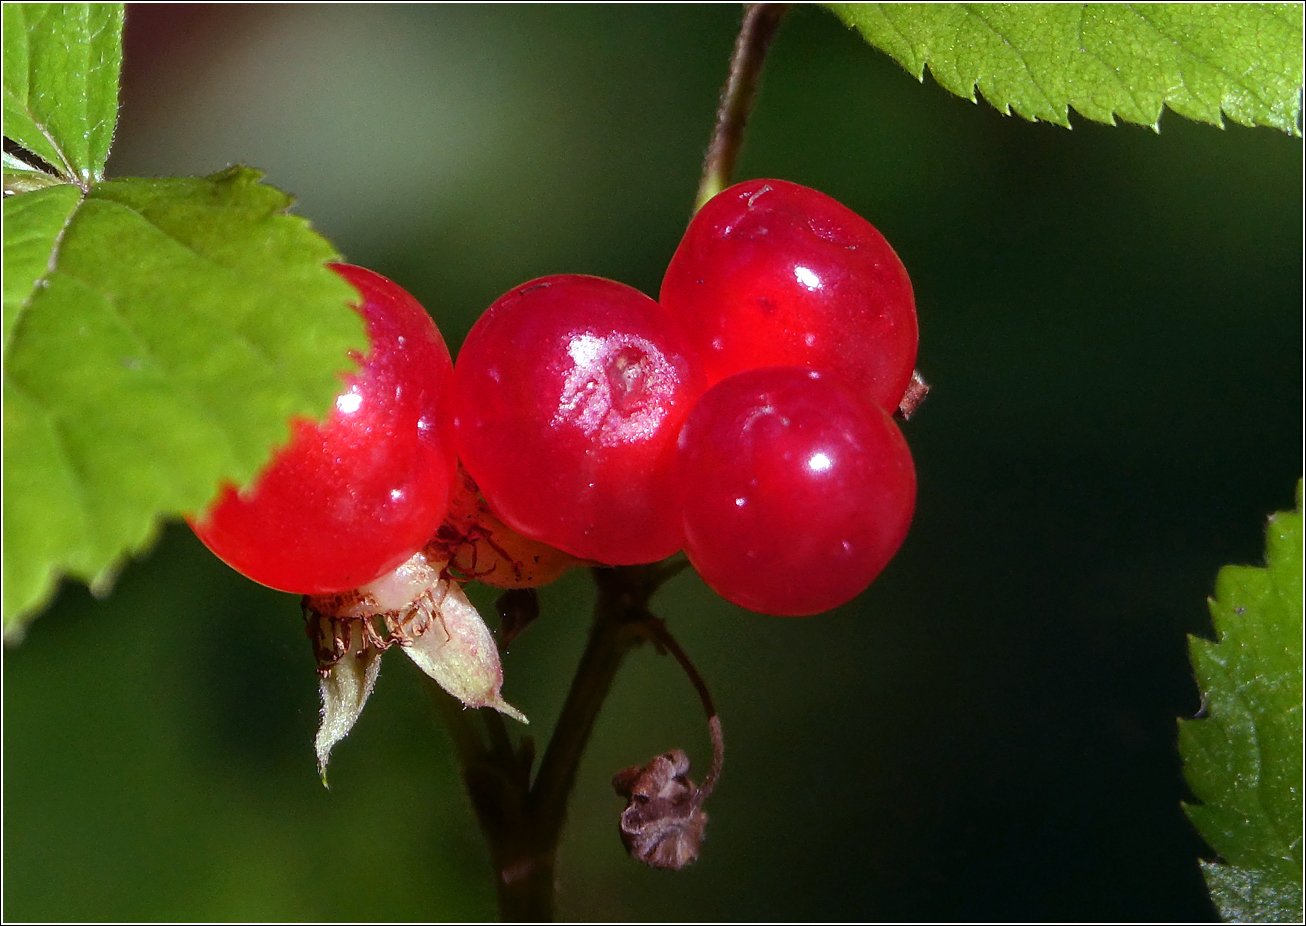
x: 807, y: 278
x: 348, y: 403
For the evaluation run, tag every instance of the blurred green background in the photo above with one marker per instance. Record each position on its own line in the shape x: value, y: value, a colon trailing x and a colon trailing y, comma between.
x: 1111, y: 320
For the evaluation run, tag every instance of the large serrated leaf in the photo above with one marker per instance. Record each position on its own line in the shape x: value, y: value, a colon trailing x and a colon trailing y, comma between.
x: 1243, y: 760
x: 61, y: 63
x: 33, y: 224
x: 1107, y: 60
x: 160, y: 347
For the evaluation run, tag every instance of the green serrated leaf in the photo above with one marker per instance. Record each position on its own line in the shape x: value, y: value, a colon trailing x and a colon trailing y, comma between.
x: 1243, y: 760
x: 1247, y: 896
x: 1107, y: 60
x: 33, y: 224
x: 162, y: 346
x: 61, y: 63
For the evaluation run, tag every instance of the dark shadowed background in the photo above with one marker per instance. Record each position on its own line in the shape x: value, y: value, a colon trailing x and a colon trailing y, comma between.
x: 1111, y: 320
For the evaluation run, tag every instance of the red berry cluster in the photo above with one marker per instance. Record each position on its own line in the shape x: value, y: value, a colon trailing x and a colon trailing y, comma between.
x: 743, y: 417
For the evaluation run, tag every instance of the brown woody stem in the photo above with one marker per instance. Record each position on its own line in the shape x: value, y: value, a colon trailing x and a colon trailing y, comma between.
x: 523, y: 821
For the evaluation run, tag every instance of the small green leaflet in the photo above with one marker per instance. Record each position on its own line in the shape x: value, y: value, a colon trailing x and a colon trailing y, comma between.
x: 158, y: 336
x: 1243, y: 759
x: 61, y: 63
x: 1107, y: 60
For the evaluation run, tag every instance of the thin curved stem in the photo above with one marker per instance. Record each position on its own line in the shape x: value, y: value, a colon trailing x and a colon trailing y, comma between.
x: 755, y: 34
x: 658, y: 628
x: 718, y: 758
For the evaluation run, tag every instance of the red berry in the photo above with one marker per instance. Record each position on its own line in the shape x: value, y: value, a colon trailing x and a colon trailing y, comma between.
x: 795, y: 490
x: 350, y: 499
x: 770, y: 273
x: 569, y: 393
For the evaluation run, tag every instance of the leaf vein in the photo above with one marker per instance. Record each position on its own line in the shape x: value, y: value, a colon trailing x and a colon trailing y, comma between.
x: 1201, y: 59
x: 209, y: 261
x: 1020, y: 56
x: 70, y: 470
x: 889, y: 21
x: 51, y: 262
x: 67, y: 166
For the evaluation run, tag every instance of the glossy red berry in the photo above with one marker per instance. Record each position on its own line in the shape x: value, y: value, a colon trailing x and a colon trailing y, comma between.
x: 348, y: 500
x: 569, y: 393
x: 795, y: 490
x: 770, y: 273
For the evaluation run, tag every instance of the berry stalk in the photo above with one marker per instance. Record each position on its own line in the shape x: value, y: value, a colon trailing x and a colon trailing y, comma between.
x: 523, y: 820
x: 755, y: 34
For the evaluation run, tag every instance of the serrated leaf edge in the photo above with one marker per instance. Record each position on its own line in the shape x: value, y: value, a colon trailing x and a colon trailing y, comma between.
x: 1210, y: 647
x: 917, y: 62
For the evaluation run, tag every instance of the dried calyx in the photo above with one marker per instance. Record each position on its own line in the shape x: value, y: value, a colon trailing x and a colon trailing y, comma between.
x: 422, y: 609
x: 664, y: 821
x: 917, y: 390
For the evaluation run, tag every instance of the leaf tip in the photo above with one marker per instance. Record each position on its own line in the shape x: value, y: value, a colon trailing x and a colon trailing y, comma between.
x: 102, y: 584
x: 14, y: 632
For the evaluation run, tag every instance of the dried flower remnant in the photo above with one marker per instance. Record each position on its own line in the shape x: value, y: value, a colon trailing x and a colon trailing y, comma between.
x: 418, y: 607
x: 662, y: 824
x: 917, y: 390
x: 664, y: 821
